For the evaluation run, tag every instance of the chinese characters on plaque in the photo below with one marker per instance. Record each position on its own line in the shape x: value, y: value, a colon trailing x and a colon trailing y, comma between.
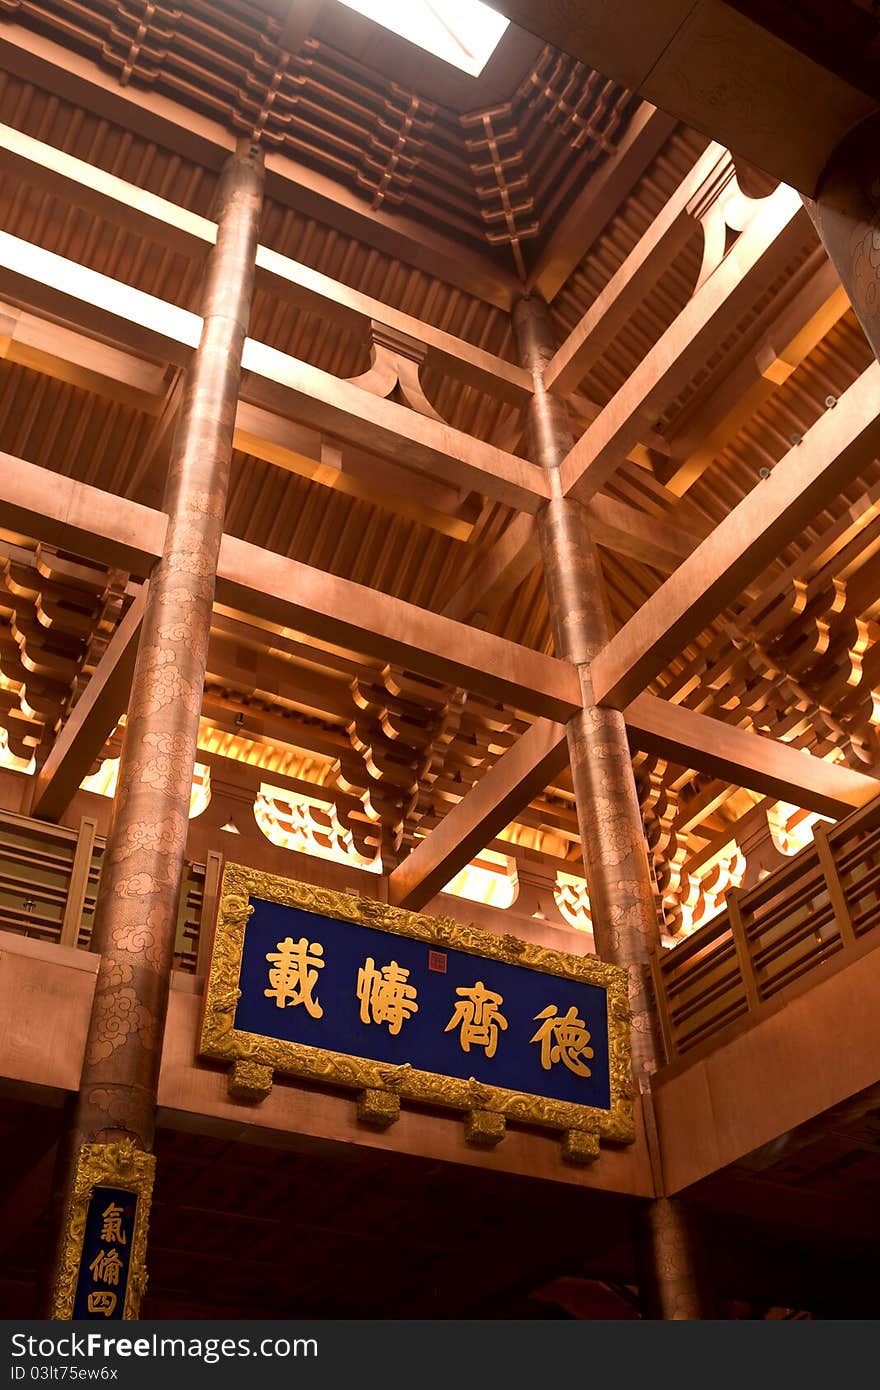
x: 353, y: 989
x: 106, y: 1254
x: 387, y: 998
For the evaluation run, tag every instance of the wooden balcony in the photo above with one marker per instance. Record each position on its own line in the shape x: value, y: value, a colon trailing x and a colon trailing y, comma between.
x: 818, y: 913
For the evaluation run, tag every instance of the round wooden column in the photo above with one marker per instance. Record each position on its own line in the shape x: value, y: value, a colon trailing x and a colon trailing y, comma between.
x: 137, y: 910
x: 624, y: 913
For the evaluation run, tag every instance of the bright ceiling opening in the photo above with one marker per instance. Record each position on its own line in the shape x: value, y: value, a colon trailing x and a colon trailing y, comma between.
x: 462, y: 32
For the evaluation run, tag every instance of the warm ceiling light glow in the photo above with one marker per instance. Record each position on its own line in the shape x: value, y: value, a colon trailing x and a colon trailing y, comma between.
x: 462, y: 32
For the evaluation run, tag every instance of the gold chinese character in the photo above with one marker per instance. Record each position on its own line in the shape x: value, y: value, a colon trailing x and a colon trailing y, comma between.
x: 296, y: 965
x: 385, y: 995
x: 563, y: 1040
x: 477, y: 1013
x: 102, y: 1301
x: 112, y: 1225
x: 106, y: 1266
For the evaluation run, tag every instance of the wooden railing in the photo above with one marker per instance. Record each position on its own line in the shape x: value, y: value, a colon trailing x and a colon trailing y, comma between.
x: 49, y: 882
x: 817, y: 908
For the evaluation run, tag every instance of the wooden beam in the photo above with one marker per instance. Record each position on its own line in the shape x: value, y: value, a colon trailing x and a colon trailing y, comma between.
x: 600, y: 198
x: 829, y: 456
x: 60, y: 353
x: 348, y: 615
x: 92, y: 719
x: 712, y: 421
x: 760, y: 253
x: 85, y: 362
x: 71, y: 76
x: 273, y: 379
x: 319, y: 400
x: 519, y: 776
x: 746, y: 759
x: 296, y: 596
x: 123, y: 203
x: 92, y: 523
x: 512, y: 557
x: 642, y: 268
x: 661, y: 542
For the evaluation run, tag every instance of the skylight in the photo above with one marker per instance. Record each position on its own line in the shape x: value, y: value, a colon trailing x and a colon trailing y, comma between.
x: 462, y: 32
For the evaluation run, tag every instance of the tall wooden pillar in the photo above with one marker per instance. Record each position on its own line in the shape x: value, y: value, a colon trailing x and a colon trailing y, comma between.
x: 136, y: 915
x: 846, y: 213
x: 615, y: 855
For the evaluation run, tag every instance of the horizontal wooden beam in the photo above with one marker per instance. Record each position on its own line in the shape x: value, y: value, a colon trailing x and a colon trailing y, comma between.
x: 67, y: 74
x: 97, y: 525
x: 746, y: 759
x: 334, y: 610
x: 92, y: 719
x: 826, y: 460
x: 773, y: 236
x: 315, y: 398
x: 124, y: 203
x: 515, y: 780
x: 143, y: 323
x: 275, y: 589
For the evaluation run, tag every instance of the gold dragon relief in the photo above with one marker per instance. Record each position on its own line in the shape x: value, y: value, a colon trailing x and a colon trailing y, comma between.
x: 293, y: 972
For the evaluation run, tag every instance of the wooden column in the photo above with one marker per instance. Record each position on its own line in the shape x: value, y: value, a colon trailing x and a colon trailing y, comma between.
x: 625, y: 924
x: 136, y: 914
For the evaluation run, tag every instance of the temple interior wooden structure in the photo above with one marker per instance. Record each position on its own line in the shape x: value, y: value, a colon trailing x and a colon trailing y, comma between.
x: 506, y: 451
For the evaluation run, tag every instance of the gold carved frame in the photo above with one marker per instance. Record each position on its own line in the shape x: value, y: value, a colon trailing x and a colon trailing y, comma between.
x: 382, y: 1085
x: 105, y: 1165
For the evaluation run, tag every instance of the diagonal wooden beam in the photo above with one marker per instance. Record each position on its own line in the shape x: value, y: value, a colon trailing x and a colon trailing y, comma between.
x: 829, y: 456
x: 600, y: 198
x: 644, y: 265
x: 655, y: 726
x: 92, y: 719
x: 515, y: 780
x: 777, y: 230
x: 660, y: 542
x: 747, y: 760
x: 498, y: 573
